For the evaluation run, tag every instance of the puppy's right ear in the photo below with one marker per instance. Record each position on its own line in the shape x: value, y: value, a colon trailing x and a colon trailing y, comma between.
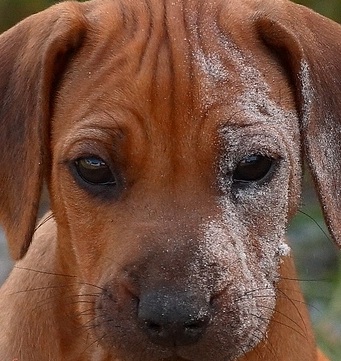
x: 32, y: 56
x: 309, y: 47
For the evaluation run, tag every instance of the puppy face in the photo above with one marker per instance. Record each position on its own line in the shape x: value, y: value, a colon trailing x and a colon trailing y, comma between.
x: 173, y: 179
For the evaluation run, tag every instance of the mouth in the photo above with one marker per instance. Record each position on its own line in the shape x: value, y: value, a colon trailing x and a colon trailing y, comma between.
x: 164, y: 324
x: 164, y: 306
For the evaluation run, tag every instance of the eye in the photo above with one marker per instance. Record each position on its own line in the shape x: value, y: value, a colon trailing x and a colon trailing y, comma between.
x: 253, y: 168
x: 95, y: 171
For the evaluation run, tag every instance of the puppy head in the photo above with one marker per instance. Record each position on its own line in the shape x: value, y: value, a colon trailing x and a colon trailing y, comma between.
x: 175, y: 151
x: 172, y: 180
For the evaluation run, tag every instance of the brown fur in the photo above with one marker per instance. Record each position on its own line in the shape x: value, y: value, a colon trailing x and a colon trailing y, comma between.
x: 172, y: 95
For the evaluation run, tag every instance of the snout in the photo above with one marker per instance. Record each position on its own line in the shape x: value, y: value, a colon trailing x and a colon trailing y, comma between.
x: 156, y: 322
x: 185, y: 297
x: 162, y: 303
x: 173, y: 318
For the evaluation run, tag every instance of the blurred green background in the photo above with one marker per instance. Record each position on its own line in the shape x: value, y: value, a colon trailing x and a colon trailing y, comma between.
x: 318, y: 261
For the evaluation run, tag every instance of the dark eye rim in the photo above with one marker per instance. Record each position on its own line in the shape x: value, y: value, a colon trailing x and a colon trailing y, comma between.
x: 76, y: 164
x: 261, y: 181
x: 105, y: 191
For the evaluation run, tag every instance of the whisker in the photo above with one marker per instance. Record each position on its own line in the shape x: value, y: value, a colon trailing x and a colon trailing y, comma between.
x: 317, y: 224
x: 44, y: 220
x: 304, y: 279
x: 44, y: 272
x: 39, y: 289
x: 293, y: 300
x: 282, y: 324
x: 288, y: 318
x: 266, y: 344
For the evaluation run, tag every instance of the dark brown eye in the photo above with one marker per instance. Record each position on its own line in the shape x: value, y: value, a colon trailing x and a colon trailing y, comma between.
x: 253, y: 168
x: 95, y: 171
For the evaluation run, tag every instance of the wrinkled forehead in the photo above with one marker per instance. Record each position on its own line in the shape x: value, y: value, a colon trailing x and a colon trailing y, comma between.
x: 180, y: 64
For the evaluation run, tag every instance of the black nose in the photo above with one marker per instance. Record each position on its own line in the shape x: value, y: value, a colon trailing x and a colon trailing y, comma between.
x: 173, y: 318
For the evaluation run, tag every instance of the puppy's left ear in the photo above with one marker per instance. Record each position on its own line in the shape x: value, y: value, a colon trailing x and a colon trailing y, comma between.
x: 309, y: 46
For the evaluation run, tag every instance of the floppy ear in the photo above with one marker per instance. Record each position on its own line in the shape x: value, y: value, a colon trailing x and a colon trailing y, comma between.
x: 32, y: 55
x: 309, y: 46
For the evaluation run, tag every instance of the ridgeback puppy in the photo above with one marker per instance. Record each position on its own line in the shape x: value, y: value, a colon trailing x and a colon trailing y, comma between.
x: 170, y: 135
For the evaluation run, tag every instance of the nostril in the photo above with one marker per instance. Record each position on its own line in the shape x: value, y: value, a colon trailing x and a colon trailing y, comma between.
x: 173, y: 319
x: 153, y: 326
x: 195, y: 324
